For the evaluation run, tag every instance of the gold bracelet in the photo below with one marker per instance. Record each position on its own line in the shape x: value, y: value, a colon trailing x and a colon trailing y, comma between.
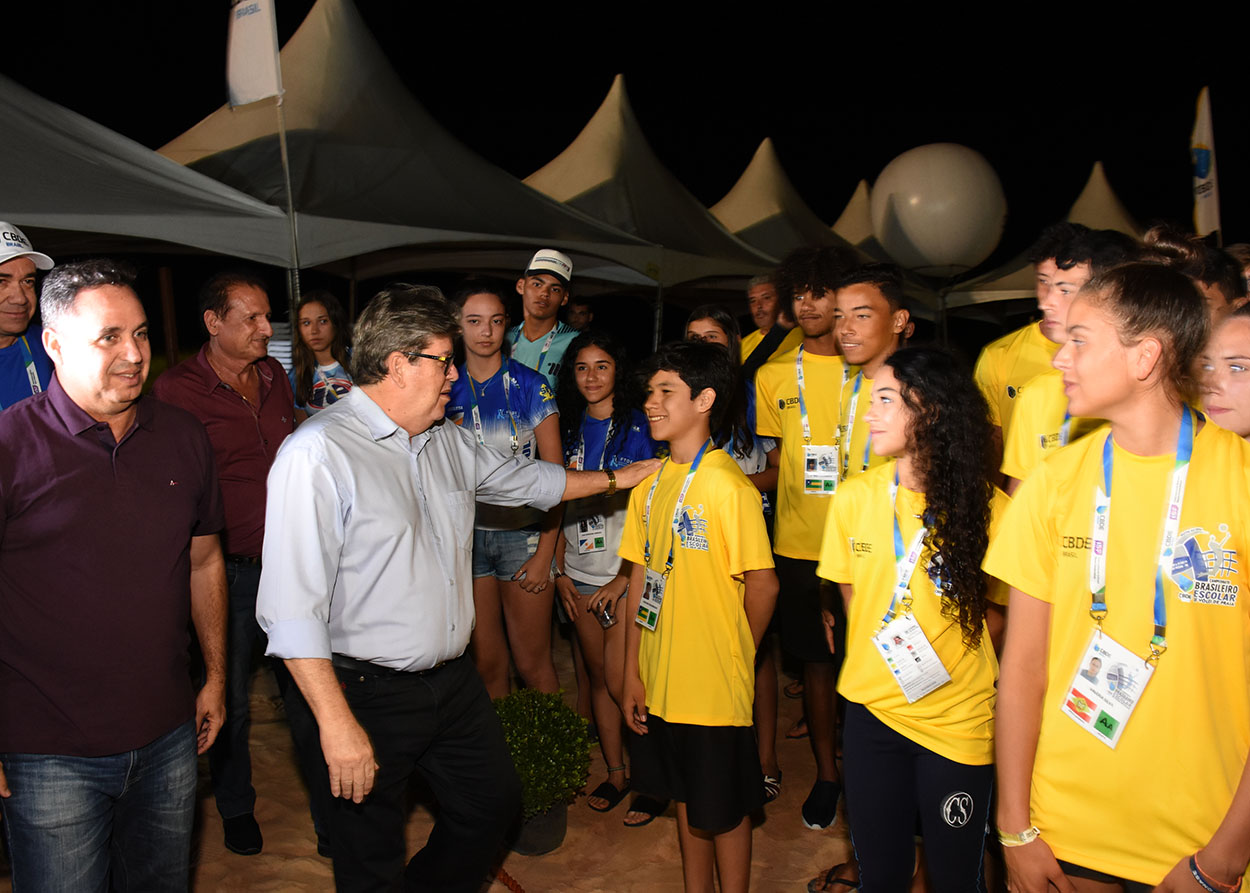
x: 1028, y: 835
x: 611, y: 481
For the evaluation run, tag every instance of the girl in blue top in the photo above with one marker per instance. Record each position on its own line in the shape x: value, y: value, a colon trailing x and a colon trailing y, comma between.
x: 602, y: 430
x: 321, y: 356
x: 510, y: 408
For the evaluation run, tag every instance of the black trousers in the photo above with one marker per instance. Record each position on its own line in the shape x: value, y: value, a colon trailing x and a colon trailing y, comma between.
x: 890, y: 782
x: 442, y: 725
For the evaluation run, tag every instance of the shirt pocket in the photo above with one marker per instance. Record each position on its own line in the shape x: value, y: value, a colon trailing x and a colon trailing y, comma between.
x: 461, y: 507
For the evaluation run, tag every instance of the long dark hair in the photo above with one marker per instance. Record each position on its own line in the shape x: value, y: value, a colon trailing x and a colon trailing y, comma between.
x: 950, y: 450
x: 305, y: 359
x: 572, y: 404
x: 733, y: 430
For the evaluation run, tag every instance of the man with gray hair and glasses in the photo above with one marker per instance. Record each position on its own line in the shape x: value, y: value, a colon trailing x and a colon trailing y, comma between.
x: 366, y: 593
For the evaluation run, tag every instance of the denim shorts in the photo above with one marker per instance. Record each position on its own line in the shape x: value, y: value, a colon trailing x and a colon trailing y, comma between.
x: 500, y: 553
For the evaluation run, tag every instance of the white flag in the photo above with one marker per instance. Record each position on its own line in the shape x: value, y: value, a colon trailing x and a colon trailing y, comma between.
x: 1202, y: 153
x: 252, y: 71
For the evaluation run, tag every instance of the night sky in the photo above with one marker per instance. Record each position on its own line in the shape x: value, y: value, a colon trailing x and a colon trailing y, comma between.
x: 1042, y: 106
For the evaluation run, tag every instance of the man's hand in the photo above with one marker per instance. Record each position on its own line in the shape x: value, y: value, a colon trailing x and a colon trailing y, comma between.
x: 828, y: 621
x: 1032, y: 868
x: 631, y: 475
x: 1181, y: 880
x: 634, y: 704
x: 210, y: 713
x: 349, y: 758
x: 4, y: 784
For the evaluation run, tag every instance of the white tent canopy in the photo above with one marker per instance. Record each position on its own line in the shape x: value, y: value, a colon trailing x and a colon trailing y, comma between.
x: 855, y: 222
x: 363, y: 149
x: 1097, y: 207
x: 764, y: 209
x: 610, y: 172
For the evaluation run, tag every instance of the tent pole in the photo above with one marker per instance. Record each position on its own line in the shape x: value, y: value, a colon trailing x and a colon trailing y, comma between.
x: 292, y: 285
x: 165, y: 277
x: 351, y: 293
x: 659, y: 316
x: 944, y: 339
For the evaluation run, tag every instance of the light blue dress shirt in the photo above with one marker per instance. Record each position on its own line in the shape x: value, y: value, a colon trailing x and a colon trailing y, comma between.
x: 369, y: 535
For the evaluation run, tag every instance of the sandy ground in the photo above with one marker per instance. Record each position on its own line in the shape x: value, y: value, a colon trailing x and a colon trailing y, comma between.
x: 599, y: 853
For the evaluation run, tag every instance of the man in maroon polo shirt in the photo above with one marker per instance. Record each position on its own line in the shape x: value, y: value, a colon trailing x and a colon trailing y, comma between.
x: 244, y: 400
x: 109, y: 513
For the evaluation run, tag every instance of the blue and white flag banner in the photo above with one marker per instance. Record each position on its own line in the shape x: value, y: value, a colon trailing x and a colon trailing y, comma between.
x: 1202, y: 154
x: 252, y: 71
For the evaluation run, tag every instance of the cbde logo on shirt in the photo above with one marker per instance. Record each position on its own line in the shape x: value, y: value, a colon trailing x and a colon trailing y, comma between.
x: 692, y: 528
x: 1202, y: 568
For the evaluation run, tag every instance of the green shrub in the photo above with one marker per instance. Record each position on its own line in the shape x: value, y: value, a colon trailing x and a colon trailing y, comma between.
x: 549, y: 746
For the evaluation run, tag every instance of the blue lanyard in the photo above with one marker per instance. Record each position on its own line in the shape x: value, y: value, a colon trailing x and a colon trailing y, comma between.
x: 506, y: 371
x: 905, y: 559
x: 850, y: 427
x: 1101, y: 524
x: 28, y: 361
x: 580, y: 459
x: 681, y: 498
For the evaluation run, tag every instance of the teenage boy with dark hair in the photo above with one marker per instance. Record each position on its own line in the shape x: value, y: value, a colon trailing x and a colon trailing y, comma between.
x: 870, y: 322
x: 1007, y: 364
x: 540, y: 339
x: 798, y: 402
x: 701, y: 595
x: 1040, y: 423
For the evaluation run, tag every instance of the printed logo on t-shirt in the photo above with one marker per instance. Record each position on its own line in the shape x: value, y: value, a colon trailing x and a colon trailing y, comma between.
x: 1071, y: 543
x: 860, y: 548
x: 783, y: 402
x: 692, y: 528
x: 545, y: 392
x: 1202, y: 568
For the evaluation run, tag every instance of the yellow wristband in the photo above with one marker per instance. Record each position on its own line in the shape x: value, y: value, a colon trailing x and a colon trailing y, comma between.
x: 1028, y: 835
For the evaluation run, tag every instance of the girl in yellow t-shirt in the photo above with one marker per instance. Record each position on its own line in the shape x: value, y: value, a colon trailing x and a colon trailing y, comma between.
x: 905, y: 540
x: 1124, y: 704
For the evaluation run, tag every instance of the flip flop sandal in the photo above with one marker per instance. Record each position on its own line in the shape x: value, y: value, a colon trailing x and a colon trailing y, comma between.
x: 648, y: 805
x: 609, y: 792
x: 772, y: 787
x: 828, y: 881
x: 799, y: 730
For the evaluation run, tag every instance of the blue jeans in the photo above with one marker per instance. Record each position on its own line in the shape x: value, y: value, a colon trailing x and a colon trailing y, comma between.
x: 73, y: 820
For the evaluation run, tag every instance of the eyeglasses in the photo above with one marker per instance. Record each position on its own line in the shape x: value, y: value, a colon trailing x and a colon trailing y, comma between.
x: 446, y: 361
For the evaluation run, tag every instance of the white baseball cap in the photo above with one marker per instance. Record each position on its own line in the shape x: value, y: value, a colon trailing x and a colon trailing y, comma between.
x: 548, y: 260
x: 13, y: 243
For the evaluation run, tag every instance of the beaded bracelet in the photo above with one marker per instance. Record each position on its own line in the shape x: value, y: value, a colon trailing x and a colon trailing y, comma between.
x: 1208, y: 883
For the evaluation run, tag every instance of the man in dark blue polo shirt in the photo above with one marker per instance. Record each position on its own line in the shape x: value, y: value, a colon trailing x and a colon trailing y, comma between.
x: 109, y: 513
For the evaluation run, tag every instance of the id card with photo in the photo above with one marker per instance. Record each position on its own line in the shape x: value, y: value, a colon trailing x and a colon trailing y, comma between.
x: 820, y: 470
x: 592, y: 534
x: 912, y: 661
x: 1106, y: 688
x: 652, y: 600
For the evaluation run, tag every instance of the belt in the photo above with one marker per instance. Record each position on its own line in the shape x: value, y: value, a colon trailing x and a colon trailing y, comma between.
x: 367, y: 668
x: 244, y: 559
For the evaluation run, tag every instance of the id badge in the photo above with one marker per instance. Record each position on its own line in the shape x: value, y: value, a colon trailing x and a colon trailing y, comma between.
x: 592, y: 533
x: 912, y: 661
x: 1106, y: 689
x: 651, y: 601
x: 820, y: 470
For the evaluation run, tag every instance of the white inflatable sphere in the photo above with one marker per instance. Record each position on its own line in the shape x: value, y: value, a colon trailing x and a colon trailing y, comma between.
x: 938, y: 209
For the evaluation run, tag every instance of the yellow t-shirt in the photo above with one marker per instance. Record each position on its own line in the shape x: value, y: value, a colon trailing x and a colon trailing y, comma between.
x: 793, y: 339
x: 955, y: 721
x: 1136, y: 810
x: 1036, y: 423
x: 698, y: 664
x: 856, y: 455
x: 800, y: 517
x: 1007, y: 364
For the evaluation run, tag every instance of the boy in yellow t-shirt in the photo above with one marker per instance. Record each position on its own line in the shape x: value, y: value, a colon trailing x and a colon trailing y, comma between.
x: 700, y: 598
x: 797, y: 402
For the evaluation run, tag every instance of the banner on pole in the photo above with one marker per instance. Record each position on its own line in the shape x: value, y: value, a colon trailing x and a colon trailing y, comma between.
x: 252, y: 71
x: 1202, y: 154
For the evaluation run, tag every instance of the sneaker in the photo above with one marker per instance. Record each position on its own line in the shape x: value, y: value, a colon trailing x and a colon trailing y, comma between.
x: 243, y: 834
x: 820, y: 810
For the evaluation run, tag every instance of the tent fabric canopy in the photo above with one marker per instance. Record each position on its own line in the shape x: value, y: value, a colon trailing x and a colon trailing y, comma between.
x: 764, y: 209
x: 363, y: 149
x: 610, y: 172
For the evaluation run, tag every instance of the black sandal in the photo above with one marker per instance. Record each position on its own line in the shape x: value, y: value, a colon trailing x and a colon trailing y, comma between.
x: 648, y: 805
x: 611, y: 793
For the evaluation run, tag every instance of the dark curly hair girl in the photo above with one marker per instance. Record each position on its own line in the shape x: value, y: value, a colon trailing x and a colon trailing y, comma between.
x: 949, y: 443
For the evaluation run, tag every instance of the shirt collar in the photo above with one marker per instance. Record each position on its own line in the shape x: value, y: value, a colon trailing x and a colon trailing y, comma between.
x: 381, y: 426
x: 77, y: 420
x: 211, y: 380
